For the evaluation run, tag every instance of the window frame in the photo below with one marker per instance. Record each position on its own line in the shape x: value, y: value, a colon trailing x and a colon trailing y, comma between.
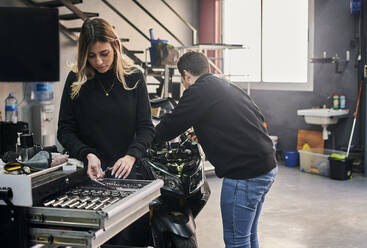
x: 288, y: 86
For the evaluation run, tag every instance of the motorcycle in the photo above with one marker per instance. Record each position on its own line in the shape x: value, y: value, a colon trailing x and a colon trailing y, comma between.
x: 180, y: 164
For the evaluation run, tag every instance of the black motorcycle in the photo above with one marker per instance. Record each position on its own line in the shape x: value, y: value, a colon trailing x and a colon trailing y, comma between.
x: 180, y: 165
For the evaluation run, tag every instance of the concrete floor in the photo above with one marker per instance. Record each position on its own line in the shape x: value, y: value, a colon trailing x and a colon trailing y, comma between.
x: 301, y: 211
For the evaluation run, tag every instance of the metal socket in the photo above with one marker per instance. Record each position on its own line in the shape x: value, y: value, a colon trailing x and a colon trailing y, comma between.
x: 105, y: 200
x: 46, y: 204
x: 98, y: 206
x: 75, y: 204
x: 87, y: 198
x: 62, y: 198
x: 95, y: 199
x: 56, y: 204
x: 82, y: 205
x: 65, y: 204
x: 90, y: 205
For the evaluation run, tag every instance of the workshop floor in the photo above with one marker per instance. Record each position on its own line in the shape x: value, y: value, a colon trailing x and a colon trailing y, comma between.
x: 300, y: 211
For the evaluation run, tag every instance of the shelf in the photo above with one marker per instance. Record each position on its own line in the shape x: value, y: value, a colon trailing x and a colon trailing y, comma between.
x: 213, y: 46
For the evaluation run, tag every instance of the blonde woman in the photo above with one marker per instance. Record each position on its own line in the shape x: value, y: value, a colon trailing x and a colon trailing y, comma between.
x: 105, y: 117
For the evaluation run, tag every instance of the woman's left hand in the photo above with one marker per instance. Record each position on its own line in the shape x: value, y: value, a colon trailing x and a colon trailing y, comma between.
x: 123, y: 166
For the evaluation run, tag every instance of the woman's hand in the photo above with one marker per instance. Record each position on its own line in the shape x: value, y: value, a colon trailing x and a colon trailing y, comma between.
x: 123, y: 166
x: 94, y: 167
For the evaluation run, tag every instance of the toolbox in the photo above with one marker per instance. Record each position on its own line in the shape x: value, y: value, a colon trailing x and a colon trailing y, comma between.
x: 68, y: 209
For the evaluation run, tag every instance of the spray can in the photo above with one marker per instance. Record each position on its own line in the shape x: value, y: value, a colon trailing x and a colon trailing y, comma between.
x: 342, y: 101
x: 335, y: 101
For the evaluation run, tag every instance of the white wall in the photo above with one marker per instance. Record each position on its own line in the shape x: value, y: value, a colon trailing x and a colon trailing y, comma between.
x: 187, y: 8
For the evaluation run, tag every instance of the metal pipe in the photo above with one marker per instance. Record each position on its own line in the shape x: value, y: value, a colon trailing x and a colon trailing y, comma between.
x: 166, y: 81
x: 363, y: 65
x: 215, y: 66
x: 194, y: 31
x: 157, y: 21
x: 351, y: 136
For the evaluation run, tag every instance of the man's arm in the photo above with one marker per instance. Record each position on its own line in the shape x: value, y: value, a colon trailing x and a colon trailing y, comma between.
x: 191, y: 108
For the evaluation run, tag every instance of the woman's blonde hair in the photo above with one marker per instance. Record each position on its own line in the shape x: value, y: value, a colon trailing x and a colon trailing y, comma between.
x: 98, y: 30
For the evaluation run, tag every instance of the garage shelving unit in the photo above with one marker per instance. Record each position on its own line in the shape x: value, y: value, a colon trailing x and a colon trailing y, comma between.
x: 169, y: 72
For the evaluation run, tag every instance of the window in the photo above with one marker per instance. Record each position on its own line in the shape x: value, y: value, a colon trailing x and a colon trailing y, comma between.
x: 276, y: 36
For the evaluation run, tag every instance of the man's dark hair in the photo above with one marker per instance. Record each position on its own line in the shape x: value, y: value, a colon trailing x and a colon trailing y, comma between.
x: 194, y: 62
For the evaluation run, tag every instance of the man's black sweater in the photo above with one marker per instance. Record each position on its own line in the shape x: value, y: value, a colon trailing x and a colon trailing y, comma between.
x: 108, y: 126
x: 228, y: 124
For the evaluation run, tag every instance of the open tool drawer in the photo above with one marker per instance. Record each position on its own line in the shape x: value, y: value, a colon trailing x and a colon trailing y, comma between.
x: 87, y: 215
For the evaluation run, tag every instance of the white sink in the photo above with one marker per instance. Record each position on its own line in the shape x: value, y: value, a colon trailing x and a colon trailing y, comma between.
x: 323, y: 117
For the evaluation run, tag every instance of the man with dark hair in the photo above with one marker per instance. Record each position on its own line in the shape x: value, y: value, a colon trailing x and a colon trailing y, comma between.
x: 196, y: 63
x: 230, y: 128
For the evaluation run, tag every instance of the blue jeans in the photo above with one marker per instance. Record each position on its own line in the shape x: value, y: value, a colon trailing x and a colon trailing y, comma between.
x: 241, y: 202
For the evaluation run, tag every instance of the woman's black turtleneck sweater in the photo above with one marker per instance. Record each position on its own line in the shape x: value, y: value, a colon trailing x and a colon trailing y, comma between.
x: 108, y: 126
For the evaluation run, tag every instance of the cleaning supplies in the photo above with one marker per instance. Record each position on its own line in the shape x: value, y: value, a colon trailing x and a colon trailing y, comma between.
x: 336, y: 156
x: 335, y: 101
x: 340, y: 167
x: 342, y: 101
x: 306, y: 147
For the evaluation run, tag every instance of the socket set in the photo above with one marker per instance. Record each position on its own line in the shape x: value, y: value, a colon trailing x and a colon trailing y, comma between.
x: 87, y: 213
x: 92, y: 196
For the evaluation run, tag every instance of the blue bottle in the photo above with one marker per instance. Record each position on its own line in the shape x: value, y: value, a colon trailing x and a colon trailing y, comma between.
x: 342, y: 101
x: 43, y: 92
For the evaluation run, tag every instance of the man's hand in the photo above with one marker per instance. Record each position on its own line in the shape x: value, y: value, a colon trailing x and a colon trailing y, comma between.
x: 175, y: 140
x: 192, y: 136
x: 123, y: 166
x: 94, y: 167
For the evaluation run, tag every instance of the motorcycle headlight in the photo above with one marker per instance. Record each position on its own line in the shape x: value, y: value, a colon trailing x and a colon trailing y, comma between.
x: 197, y: 179
x: 171, y: 182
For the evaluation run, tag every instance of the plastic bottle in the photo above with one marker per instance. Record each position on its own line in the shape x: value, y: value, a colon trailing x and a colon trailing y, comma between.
x: 335, y: 101
x: 306, y: 147
x: 342, y: 101
x: 11, y: 108
x: 43, y: 92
